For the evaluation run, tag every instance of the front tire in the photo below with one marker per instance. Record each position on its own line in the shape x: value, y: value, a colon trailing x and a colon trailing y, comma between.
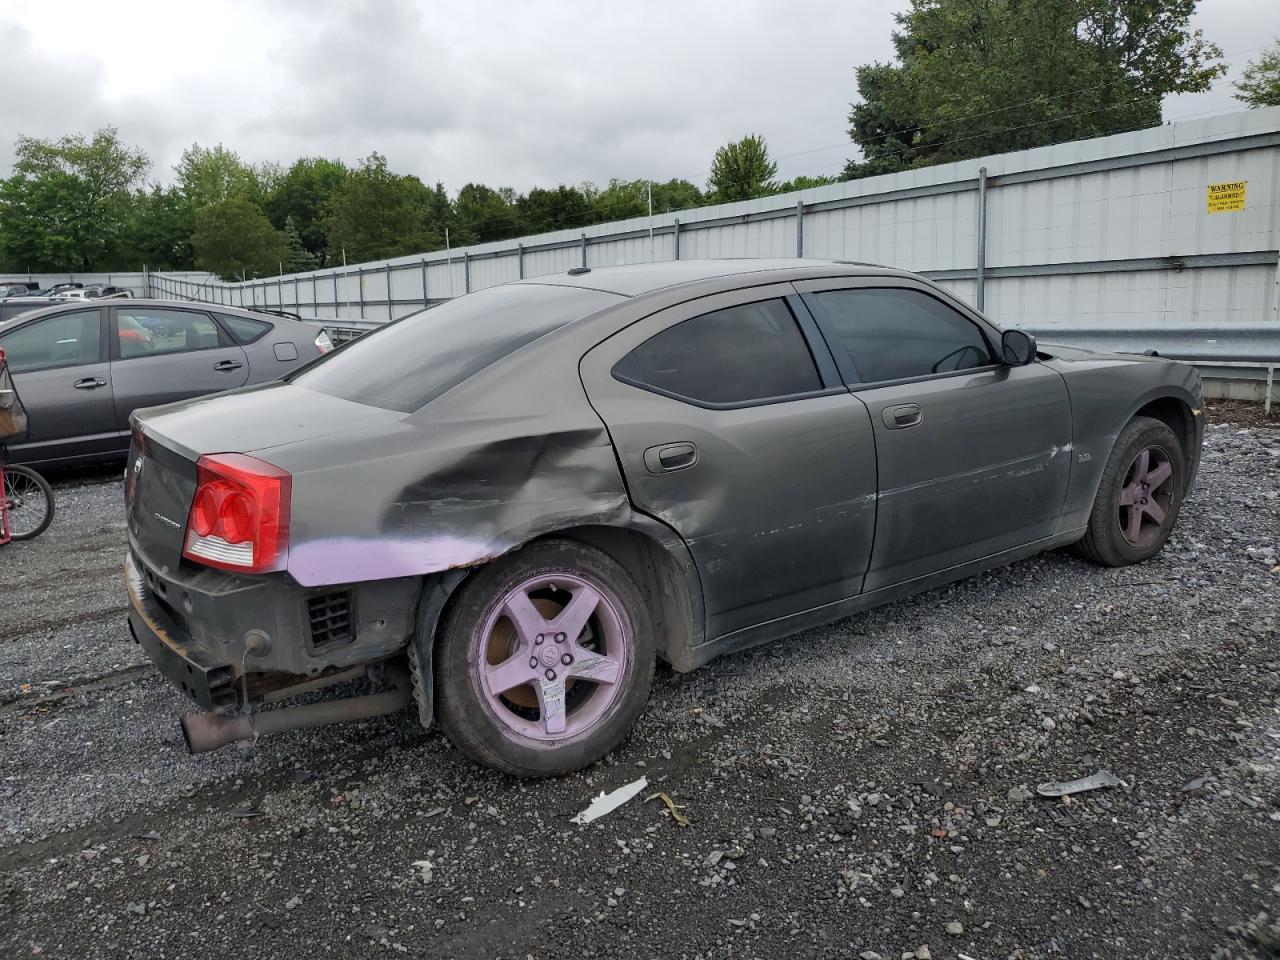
x: 544, y: 660
x: 1139, y: 496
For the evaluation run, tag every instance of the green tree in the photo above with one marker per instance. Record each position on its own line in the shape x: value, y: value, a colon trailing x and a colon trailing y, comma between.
x: 66, y: 204
x: 976, y: 77
x: 377, y: 214
x: 804, y: 183
x: 742, y: 170
x: 158, y: 231
x: 303, y: 193
x: 676, y: 195
x: 1259, y: 86
x: 207, y: 175
x: 485, y: 214
x: 297, y: 258
x: 562, y: 208
x: 233, y: 237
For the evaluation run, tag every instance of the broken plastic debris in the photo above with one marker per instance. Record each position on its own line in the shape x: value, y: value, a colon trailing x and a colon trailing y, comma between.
x: 1097, y: 781
x: 426, y: 869
x: 609, y: 802
x: 244, y: 813
x: 672, y: 806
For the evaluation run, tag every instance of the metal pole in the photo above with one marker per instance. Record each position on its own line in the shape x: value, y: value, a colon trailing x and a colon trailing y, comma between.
x: 280, y: 286
x: 466, y: 272
x: 676, y: 228
x: 391, y: 310
x: 980, y: 274
x: 799, y: 228
x: 360, y: 287
x: 520, y: 260
x: 315, y: 295
x: 584, y: 251
x: 425, y: 300
x: 1266, y: 401
x: 335, y: 291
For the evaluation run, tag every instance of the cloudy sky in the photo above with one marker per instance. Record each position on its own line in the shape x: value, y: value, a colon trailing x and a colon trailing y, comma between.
x: 507, y: 93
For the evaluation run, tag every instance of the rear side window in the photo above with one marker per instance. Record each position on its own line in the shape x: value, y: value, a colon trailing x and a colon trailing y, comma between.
x: 896, y: 334
x: 146, y: 331
x: 406, y: 364
x: 743, y: 354
x: 242, y: 329
x: 63, y: 340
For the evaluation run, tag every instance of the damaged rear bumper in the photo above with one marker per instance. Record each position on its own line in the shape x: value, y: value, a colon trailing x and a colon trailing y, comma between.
x: 218, y: 635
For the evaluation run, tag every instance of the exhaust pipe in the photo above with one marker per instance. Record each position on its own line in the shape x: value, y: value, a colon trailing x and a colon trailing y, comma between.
x: 209, y: 731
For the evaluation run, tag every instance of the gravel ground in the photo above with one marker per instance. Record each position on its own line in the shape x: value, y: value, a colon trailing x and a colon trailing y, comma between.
x: 865, y: 789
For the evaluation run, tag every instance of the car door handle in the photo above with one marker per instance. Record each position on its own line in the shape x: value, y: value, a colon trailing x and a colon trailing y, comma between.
x: 228, y: 365
x: 89, y: 383
x: 667, y: 457
x: 902, y: 416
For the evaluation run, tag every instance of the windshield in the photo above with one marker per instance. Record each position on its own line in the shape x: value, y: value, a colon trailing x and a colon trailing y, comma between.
x: 406, y: 364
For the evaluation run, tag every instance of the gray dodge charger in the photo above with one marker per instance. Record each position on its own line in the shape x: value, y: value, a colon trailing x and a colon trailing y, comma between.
x: 505, y: 508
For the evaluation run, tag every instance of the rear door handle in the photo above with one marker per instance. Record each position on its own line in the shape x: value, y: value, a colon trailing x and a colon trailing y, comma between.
x: 228, y: 365
x: 901, y: 416
x: 89, y: 383
x: 667, y: 457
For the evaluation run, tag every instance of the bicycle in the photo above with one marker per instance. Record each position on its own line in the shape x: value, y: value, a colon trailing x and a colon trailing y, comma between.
x: 26, y: 499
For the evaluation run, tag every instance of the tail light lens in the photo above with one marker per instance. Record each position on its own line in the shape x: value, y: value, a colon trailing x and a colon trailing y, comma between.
x: 239, y: 516
x: 323, y: 343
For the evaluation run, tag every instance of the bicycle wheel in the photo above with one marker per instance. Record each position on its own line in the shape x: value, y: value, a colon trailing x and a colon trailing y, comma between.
x: 30, y: 500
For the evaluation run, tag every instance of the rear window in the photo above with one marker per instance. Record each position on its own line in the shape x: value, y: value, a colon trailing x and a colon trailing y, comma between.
x: 406, y: 364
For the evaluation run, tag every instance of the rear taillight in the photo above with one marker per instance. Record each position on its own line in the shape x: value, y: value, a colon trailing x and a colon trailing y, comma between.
x: 239, y: 516
x: 323, y: 343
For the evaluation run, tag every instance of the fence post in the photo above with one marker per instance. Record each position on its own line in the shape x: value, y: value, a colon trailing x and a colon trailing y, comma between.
x: 335, y: 292
x: 799, y: 228
x: 315, y: 295
x: 676, y: 231
x: 391, y: 310
x: 466, y: 272
x: 584, y: 251
x: 425, y: 299
x: 360, y: 287
x: 980, y: 274
x: 520, y: 260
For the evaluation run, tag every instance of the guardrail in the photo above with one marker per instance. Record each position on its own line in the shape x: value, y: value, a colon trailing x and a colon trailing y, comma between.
x: 1247, y: 347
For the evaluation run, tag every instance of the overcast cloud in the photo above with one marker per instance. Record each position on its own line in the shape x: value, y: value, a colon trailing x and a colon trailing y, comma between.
x: 513, y: 93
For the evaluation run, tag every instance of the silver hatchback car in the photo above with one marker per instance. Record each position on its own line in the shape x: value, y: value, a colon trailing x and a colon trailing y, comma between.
x: 83, y: 368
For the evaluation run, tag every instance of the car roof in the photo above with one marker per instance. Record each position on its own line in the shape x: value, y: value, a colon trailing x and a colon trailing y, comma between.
x: 55, y: 306
x: 634, y: 280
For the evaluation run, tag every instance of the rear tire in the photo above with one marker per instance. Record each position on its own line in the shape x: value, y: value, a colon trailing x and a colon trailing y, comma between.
x: 1139, y: 496
x: 544, y: 660
x: 30, y: 502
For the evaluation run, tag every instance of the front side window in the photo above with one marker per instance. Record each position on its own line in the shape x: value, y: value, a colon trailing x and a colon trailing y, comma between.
x: 744, y: 354
x: 63, y: 340
x: 145, y: 332
x: 896, y: 334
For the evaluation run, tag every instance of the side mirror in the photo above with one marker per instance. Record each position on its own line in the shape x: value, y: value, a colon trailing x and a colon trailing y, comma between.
x: 1017, y: 348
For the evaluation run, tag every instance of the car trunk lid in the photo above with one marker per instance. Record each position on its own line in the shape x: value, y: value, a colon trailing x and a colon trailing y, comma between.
x: 168, y: 441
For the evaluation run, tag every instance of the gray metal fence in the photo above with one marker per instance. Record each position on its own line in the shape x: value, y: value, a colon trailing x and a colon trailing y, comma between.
x: 1117, y: 233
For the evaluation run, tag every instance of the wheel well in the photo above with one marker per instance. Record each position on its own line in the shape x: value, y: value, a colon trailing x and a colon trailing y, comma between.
x: 661, y: 582
x: 1176, y: 415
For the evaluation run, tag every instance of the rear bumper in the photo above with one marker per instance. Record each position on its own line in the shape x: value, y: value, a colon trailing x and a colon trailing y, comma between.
x: 217, y: 635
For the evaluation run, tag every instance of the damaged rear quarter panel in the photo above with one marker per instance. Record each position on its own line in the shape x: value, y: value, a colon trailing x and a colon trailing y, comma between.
x: 512, y: 454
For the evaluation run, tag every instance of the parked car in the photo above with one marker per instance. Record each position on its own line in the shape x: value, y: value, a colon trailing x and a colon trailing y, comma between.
x: 530, y: 492
x: 17, y: 288
x: 56, y: 288
x: 83, y: 368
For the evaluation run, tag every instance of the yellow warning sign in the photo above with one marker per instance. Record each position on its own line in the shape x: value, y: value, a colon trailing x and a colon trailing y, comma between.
x: 1225, y: 197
